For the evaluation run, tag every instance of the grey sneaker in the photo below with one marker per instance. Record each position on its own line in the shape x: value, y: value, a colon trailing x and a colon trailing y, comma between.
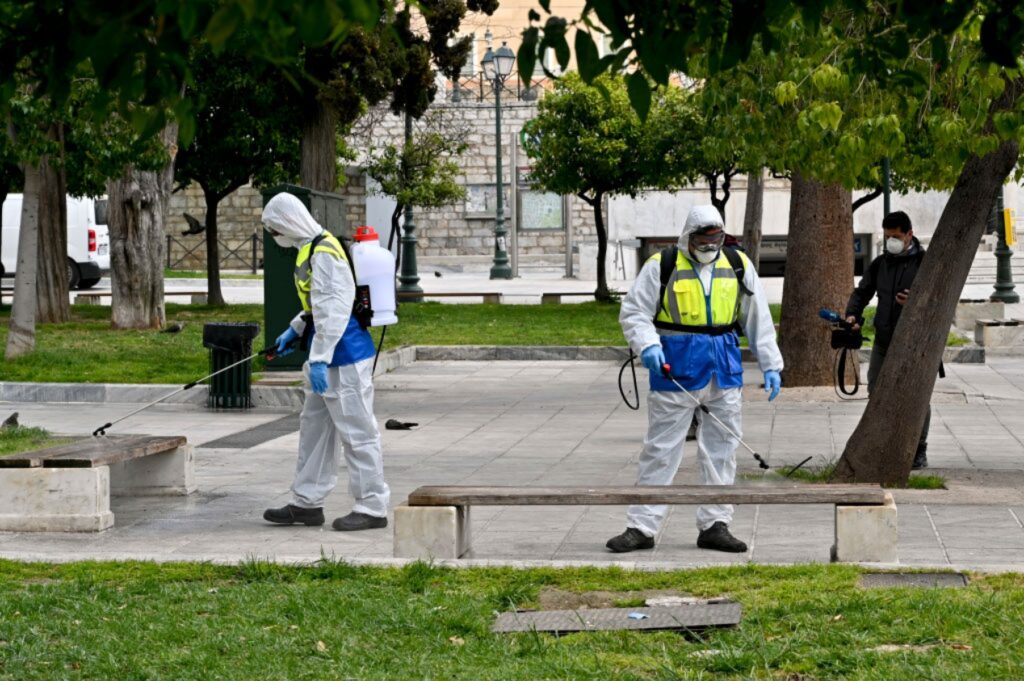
x: 354, y: 522
x: 289, y: 515
x: 630, y: 540
x: 718, y: 538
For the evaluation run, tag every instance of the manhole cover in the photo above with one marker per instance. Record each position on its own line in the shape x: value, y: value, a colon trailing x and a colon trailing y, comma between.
x: 885, y: 580
x: 679, y: 617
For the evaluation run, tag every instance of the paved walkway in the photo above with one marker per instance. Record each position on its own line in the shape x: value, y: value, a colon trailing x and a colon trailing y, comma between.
x: 560, y: 423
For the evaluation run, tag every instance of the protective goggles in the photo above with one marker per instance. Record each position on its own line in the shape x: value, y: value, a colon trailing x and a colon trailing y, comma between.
x: 271, y: 230
x: 708, y: 240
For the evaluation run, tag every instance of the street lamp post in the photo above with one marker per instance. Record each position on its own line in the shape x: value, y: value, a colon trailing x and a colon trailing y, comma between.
x: 1004, y: 274
x: 409, y: 277
x: 497, y: 66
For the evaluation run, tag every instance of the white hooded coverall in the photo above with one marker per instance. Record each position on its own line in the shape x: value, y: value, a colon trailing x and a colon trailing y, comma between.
x: 670, y: 413
x: 343, y: 415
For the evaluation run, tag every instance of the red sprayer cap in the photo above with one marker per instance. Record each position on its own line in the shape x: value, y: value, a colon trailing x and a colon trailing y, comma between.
x: 365, y: 233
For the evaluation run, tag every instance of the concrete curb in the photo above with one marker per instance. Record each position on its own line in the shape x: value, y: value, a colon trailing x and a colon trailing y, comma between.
x: 292, y: 396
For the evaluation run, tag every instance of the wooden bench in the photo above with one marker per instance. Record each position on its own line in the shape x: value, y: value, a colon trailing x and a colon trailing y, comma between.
x: 434, y: 522
x: 67, y: 488
x: 491, y: 297
x: 556, y: 298
x: 196, y: 297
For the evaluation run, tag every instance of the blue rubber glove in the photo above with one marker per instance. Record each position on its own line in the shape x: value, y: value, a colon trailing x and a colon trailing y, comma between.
x: 283, y: 340
x: 653, y: 358
x: 318, y: 377
x: 772, y: 384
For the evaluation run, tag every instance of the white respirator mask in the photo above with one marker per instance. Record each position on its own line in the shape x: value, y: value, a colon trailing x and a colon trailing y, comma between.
x: 894, y: 246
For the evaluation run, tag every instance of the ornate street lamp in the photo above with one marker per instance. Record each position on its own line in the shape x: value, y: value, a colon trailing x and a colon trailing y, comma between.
x: 1003, y: 291
x: 497, y: 66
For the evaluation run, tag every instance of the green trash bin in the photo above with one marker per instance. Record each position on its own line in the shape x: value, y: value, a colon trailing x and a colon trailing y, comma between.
x: 280, y: 301
x: 230, y: 343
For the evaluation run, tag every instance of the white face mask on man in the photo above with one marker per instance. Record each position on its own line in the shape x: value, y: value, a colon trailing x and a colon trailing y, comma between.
x: 895, y: 246
x: 707, y: 256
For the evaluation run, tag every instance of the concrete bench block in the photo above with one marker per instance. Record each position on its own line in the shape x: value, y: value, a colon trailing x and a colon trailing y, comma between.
x: 999, y: 333
x: 866, y: 534
x: 86, y: 299
x: 968, y: 312
x: 170, y: 473
x: 431, y: 532
x: 55, y: 499
x: 199, y: 299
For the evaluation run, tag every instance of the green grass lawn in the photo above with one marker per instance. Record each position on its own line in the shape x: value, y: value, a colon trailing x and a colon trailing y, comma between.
x: 24, y: 439
x: 336, y: 621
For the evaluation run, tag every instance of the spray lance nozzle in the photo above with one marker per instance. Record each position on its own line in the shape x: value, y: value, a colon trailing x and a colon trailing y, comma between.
x: 666, y: 369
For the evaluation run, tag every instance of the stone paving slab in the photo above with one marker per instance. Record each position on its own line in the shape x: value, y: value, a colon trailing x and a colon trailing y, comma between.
x: 549, y: 423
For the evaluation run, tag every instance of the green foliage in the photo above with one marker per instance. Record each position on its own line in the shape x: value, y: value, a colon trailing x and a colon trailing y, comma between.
x: 423, y: 172
x: 245, y: 128
x: 15, y: 439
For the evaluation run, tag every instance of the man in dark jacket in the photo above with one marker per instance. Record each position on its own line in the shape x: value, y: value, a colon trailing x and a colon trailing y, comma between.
x: 890, y: 275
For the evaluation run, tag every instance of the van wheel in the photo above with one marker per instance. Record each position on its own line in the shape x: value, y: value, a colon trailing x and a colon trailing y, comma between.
x: 74, y: 276
x: 88, y: 283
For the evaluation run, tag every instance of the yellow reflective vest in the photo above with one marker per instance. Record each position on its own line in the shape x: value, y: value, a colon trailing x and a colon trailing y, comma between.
x: 685, y: 304
x: 304, y: 267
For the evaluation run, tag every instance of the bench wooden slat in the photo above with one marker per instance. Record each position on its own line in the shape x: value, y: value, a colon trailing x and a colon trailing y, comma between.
x: 94, y: 452
x: 860, y: 494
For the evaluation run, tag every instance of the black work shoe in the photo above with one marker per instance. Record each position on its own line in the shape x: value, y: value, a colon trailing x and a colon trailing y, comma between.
x: 718, y: 538
x: 289, y: 515
x: 358, y: 521
x: 920, y: 459
x: 630, y: 540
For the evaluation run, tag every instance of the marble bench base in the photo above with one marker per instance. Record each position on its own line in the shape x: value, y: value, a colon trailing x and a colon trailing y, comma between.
x: 78, y: 499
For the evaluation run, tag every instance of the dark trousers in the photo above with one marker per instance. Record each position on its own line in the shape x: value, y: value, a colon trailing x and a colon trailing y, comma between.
x: 878, y: 352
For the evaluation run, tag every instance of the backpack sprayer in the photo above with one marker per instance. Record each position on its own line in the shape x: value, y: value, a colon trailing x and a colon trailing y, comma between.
x: 845, y: 340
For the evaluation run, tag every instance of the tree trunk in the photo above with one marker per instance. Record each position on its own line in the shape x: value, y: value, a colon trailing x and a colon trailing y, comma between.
x: 882, y: 447
x: 52, y: 267
x: 214, y: 296
x: 601, y: 294
x: 752, y: 216
x: 138, y: 208
x: 319, y: 164
x: 21, y: 336
x: 819, y: 273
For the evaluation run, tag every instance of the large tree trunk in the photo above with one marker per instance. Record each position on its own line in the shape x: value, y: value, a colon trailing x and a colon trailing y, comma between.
x: 21, y: 335
x: 882, y: 447
x: 601, y: 294
x: 214, y: 296
x: 52, y: 267
x: 138, y: 208
x: 819, y: 273
x: 319, y: 164
x: 752, y: 216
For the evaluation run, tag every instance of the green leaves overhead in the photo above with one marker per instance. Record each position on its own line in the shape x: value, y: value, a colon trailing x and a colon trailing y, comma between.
x: 639, y: 94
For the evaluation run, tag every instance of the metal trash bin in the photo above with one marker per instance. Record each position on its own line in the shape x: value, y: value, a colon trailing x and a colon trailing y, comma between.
x: 230, y: 342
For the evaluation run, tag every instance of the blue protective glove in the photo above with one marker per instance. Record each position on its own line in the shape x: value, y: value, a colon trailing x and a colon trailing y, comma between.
x: 772, y: 384
x: 318, y: 377
x: 653, y: 358
x: 283, y: 340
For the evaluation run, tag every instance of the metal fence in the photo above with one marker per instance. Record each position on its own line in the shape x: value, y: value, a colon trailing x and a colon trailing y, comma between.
x: 245, y: 255
x: 475, y: 89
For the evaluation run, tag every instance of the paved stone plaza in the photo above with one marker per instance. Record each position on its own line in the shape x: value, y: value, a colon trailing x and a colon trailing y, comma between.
x: 559, y: 423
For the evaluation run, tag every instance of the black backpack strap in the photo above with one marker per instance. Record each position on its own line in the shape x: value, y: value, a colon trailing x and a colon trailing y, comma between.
x: 668, y: 263
x: 738, y: 266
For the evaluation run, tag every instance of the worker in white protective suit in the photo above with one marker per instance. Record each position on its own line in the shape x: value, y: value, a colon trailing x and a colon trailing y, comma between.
x: 338, y: 407
x: 684, y: 311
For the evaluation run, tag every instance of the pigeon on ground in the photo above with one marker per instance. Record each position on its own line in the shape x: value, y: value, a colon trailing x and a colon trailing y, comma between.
x: 194, y: 226
x: 11, y: 421
x: 173, y: 328
x: 393, y: 424
x: 437, y: 274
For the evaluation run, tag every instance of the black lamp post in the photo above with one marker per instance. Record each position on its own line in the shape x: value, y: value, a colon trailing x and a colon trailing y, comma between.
x: 497, y: 66
x: 1003, y: 291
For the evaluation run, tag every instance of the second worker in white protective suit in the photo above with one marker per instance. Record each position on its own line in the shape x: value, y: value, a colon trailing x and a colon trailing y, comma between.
x: 688, y: 320
x: 338, y: 407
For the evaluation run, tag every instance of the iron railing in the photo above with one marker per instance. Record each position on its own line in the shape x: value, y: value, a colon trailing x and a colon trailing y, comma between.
x: 245, y: 255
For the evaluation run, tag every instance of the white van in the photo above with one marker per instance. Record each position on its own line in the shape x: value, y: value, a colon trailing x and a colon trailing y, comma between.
x: 88, y: 239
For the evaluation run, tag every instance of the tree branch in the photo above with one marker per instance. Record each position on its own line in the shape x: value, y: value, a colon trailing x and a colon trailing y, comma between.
x: 867, y: 198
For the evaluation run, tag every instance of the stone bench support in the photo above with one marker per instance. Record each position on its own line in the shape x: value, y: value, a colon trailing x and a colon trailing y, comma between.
x: 431, y: 532
x: 866, y: 534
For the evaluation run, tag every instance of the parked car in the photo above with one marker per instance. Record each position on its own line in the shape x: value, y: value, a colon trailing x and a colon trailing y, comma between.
x: 88, y: 239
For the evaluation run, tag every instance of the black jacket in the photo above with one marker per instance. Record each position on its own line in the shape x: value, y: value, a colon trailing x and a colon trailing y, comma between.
x: 887, y: 275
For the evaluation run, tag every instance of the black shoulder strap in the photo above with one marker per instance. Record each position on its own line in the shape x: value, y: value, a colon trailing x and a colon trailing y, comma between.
x: 738, y: 266
x: 668, y: 263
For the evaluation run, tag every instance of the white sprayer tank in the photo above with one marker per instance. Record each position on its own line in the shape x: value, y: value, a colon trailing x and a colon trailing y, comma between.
x: 375, y: 268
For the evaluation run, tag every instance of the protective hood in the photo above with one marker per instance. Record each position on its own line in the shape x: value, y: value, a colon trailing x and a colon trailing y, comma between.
x: 700, y: 216
x: 286, y: 215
